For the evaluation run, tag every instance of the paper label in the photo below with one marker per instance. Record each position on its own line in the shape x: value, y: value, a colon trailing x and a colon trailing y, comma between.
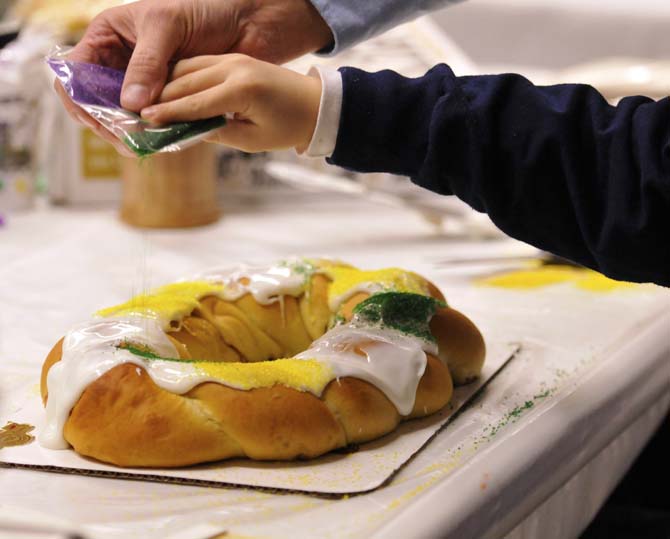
x: 99, y: 159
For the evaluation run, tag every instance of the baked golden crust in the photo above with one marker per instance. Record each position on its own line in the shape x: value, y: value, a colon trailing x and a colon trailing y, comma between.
x: 124, y: 418
x: 460, y: 344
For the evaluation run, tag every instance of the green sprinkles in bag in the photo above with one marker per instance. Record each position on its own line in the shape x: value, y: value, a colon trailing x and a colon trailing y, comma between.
x: 154, y: 139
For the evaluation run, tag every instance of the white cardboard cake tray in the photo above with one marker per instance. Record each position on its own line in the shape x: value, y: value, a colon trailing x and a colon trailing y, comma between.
x: 365, y: 469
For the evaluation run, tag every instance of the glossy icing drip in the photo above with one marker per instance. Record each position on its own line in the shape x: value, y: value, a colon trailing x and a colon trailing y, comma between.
x: 89, y: 351
x: 267, y: 284
x: 385, y: 358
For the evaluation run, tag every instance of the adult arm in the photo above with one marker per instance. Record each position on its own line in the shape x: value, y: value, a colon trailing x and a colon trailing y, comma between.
x: 353, y: 21
x: 557, y: 167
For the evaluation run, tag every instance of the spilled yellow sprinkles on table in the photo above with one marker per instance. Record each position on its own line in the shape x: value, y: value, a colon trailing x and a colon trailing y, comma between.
x: 541, y: 276
x: 167, y: 303
x: 302, y: 374
x: 597, y: 282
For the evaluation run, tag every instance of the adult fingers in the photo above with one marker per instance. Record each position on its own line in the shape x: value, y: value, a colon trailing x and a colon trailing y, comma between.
x: 71, y: 108
x: 157, y: 40
x: 107, y: 39
x: 119, y: 146
x: 83, y: 52
x: 106, y: 135
x: 190, y: 65
x: 79, y: 115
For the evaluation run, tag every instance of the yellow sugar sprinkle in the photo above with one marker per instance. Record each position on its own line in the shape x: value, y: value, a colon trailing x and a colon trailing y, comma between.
x: 302, y: 374
x: 170, y: 302
x: 393, y: 279
x: 552, y: 275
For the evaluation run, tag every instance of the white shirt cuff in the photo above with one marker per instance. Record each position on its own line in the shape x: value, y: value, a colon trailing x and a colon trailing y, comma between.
x: 324, y: 138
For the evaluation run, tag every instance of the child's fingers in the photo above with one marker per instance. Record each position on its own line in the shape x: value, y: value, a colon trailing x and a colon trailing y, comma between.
x: 200, y: 75
x: 214, y: 101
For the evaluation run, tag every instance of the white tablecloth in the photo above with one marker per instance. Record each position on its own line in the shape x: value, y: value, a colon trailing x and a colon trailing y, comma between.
x: 540, y: 450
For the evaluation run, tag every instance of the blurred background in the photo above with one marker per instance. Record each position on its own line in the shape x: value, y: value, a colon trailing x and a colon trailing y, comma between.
x: 621, y: 47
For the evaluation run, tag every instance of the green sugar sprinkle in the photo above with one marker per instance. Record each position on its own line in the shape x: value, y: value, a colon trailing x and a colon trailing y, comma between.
x: 145, y: 353
x: 510, y: 417
x: 513, y: 416
x: 402, y: 311
x: 336, y: 320
x: 304, y: 267
x: 153, y: 139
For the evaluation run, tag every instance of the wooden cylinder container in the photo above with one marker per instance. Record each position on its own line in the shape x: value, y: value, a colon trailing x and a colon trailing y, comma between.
x: 171, y: 190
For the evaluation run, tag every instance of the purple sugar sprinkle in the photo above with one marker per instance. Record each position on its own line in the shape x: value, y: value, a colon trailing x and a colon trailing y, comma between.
x: 89, y: 84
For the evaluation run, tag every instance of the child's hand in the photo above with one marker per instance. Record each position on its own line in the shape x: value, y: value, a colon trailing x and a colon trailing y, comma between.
x: 274, y: 108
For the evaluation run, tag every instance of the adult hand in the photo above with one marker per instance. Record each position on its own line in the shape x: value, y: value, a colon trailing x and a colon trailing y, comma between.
x: 145, y: 36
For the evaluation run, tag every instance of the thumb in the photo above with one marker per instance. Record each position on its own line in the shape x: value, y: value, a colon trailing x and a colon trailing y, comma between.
x: 148, y: 68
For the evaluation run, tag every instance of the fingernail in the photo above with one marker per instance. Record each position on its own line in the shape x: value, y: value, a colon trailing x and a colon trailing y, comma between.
x: 135, y: 96
x: 149, y: 112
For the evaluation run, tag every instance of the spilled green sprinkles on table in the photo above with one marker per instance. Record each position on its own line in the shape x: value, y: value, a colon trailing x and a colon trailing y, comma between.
x: 511, y: 417
x: 544, y: 394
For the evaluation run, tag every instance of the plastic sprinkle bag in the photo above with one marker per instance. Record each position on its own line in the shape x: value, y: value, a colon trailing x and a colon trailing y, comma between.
x: 97, y: 89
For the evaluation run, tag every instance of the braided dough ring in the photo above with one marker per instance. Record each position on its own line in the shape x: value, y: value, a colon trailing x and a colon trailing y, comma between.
x: 111, y: 400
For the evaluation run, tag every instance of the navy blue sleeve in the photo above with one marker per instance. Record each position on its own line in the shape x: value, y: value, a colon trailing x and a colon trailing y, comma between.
x: 556, y: 166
